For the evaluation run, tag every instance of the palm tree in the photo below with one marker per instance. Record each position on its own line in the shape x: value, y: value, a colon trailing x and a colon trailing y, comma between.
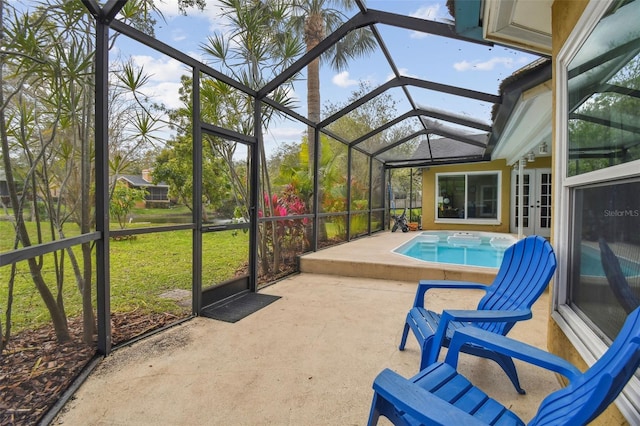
x: 314, y: 19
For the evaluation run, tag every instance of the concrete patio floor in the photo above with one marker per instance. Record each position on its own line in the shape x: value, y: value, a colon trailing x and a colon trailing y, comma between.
x: 307, y: 359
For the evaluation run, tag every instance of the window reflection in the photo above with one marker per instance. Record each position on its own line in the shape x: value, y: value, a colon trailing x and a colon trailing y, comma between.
x: 604, y: 97
x: 605, y: 281
x: 603, y: 131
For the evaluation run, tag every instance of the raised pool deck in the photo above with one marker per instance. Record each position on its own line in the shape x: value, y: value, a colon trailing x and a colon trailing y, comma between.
x: 373, y: 257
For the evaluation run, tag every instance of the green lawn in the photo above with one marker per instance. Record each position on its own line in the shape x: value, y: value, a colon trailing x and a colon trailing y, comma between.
x: 141, y: 270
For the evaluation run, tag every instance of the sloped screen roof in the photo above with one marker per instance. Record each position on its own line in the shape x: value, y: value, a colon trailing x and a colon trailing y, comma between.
x: 438, y: 89
x: 442, y: 101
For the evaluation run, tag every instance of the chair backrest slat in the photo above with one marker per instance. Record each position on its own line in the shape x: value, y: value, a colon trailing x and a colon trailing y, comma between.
x: 590, y: 394
x: 524, y: 273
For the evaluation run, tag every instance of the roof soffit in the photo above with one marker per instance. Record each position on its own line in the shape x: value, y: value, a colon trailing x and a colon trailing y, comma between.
x: 524, y: 24
x: 528, y: 126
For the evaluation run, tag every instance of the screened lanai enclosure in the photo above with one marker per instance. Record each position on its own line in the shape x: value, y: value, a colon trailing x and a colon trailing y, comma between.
x: 261, y: 158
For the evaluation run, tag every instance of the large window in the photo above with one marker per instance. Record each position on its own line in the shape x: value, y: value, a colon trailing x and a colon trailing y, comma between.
x: 603, y: 99
x: 468, y: 196
x: 597, y: 150
x: 604, y: 281
x: 603, y: 139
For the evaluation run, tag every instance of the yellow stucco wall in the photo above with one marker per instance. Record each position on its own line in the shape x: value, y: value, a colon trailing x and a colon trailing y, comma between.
x: 540, y: 163
x: 565, y: 14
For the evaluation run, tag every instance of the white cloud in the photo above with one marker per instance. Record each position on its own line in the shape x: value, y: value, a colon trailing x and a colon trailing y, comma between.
x: 342, y: 80
x: 489, y: 65
x: 427, y: 12
x: 211, y: 13
x: 281, y: 134
x: 178, y: 35
x: 167, y: 94
x: 431, y: 13
x: 278, y: 135
x: 163, y: 78
x: 403, y: 72
x: 169, y: 9
x: 160, y: 69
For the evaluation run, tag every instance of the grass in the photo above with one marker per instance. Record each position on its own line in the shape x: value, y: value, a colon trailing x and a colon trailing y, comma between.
x: 141, y: 270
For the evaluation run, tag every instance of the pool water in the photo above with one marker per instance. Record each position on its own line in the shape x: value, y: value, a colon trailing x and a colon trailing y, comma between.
x: 591, y: 264
x: 483, y: 249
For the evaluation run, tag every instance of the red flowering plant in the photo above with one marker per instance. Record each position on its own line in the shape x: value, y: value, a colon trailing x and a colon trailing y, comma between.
x: 285, y: 238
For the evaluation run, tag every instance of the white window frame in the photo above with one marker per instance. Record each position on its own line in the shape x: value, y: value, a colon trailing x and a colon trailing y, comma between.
x: 473, y: 221
x: 587, y: 343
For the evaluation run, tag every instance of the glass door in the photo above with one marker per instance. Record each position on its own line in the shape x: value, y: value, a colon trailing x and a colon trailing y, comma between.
x: 543, y: 202
x: 536, y: 202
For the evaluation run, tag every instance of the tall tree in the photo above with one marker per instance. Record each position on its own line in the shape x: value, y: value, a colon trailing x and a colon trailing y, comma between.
x: 174, y: 165
x: 47, y: 121
x: 370, y: 116
x: 313, y: 20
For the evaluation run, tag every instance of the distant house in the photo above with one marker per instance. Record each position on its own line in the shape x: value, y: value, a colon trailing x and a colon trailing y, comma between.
x: 157, y: 194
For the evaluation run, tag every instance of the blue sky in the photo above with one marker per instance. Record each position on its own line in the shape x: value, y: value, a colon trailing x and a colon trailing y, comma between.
x: 419, y: 55
x: 415, y: 54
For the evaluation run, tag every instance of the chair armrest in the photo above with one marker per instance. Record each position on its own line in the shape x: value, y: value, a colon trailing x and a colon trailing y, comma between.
x: 418, y: 403
x: 509, y: 347
x: 424, y: 285
x: 470, y: 315
x: 485, y: 315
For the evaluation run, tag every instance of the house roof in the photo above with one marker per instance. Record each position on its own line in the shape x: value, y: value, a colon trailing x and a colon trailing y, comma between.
x: 138, y: 181
x: 523, y: 120
x: 523, y: 79
x: 448, y: 150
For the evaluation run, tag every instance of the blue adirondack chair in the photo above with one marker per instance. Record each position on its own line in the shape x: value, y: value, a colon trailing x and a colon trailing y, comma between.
x: 525, y: 271
x: 439, y: 395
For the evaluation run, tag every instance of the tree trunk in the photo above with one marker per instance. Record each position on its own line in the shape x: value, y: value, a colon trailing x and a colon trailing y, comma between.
x: 268, y: 212
x: 313, y: 102
x: 314, y: 33
x: 4, y: 338
x: 88, y: 317
x: 87, y: 202
x: 57, y: 317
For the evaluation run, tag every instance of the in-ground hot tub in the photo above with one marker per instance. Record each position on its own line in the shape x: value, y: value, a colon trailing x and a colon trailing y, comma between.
x: 484, y: 249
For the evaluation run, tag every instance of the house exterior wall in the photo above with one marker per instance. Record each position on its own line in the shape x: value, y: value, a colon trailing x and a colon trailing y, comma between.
x: 429, y: 188
x: 565, y: 14
x: 540, y: 163
x: 429, y: 193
